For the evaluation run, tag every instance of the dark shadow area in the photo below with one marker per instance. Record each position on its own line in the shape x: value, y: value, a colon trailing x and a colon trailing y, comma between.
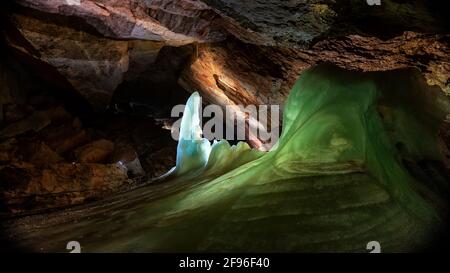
x: 390, y: 19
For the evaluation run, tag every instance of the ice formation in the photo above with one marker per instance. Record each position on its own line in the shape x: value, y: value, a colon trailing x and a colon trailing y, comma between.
x: 196, y: 155
x: 336, y: 180
x: 193, y: 150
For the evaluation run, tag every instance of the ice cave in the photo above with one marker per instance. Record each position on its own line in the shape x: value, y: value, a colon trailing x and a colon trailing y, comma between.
x: 87, y: 155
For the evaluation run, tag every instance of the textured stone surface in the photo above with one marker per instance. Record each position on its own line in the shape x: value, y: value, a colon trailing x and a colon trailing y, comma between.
x: 232, y: 52
x: 25, y: 187
x: 94, y: 65
x: 139, y: 19
x: 190, y: 17
x: 287, y: 37
x: 95, y: 152
x: 237, y: 73
x: 272, y: 22
x: 48, y: 160
x: 36, y: 121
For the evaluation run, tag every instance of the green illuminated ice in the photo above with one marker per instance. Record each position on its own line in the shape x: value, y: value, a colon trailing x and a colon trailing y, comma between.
x: 332, y: 126
x: 343, y: 173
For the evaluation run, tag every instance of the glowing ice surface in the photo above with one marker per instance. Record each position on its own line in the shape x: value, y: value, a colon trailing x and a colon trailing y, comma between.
x: 336, y: 180
x: 193, y: 150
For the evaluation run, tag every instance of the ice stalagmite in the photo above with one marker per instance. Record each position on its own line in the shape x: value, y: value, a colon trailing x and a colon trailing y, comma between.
x: 193, y: 150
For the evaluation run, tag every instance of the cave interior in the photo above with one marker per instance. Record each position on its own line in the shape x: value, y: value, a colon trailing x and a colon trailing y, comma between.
x: 87, y: 90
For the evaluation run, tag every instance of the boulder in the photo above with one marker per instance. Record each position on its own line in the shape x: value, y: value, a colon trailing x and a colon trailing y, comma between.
x: 25, y: 187
x: 127, y: 158
x: 35, y: 122
x: 97, y: 151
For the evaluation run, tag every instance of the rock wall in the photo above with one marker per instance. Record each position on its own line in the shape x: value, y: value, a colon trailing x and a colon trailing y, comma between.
x: 97, y: 45
x: 237, y: 73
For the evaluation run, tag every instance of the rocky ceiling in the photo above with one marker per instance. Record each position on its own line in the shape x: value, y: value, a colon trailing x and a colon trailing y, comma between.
x: 243, y: 52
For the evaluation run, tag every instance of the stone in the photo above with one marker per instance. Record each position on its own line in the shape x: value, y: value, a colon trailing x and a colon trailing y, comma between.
x: 35, y: 122
x: 160, y: 162
x: 141, y: 55
x: 64, y: 135
x: 30, y: 150
x: 25, y: 187
x: 236, y: 73
x: 282, y: 23
x: 97, y: 151
x: 92, y: 70
x: 128, y: 159
x: 44, y: 155
x: 14, y: 112
x: 7, y: 150
x: 193, y: 18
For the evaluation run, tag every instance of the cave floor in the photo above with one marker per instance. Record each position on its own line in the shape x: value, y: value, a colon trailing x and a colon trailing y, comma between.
x: 334, y: 213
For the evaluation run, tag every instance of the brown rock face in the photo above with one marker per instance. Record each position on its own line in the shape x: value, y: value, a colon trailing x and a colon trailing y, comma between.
x: 237, y: 73
x: 160, y: 162
x: 189, y: 17
x: 282, y: 23
x: 281, y: 39
x: 93, y: 65
x: 188, y: 20
x: 232, y: 52
x: 59, y: 164
x: 26, y: 187
x: 94, y: 152
x: 48, y: 159
x: 35, y: 122
x: 40, y: 155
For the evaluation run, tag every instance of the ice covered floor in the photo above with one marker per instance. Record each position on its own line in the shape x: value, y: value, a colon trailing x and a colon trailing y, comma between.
x: 334, y: 182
